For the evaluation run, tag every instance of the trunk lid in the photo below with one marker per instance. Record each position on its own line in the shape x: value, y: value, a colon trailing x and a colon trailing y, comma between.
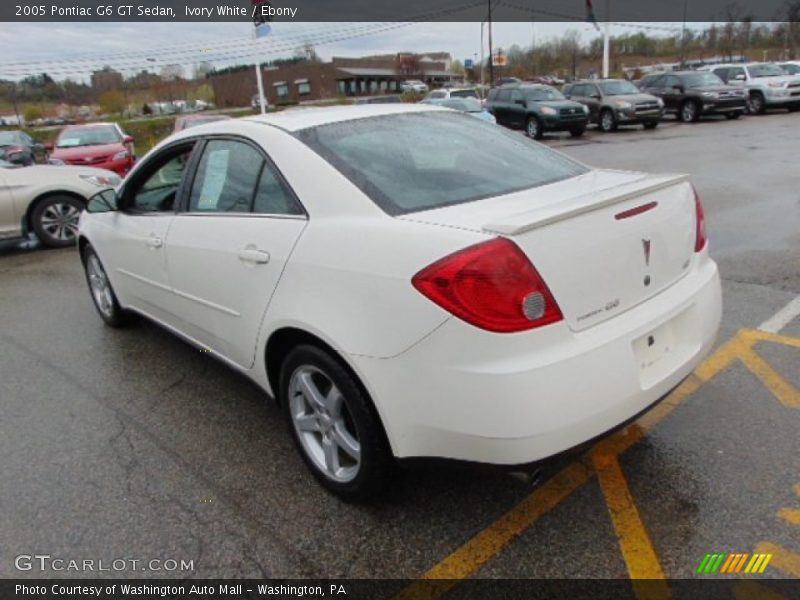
x: 597, y: 259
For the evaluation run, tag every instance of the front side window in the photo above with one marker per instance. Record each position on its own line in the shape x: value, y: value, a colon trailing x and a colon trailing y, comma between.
x: 226, y: 178
x: 413, y: 162
x: 157, y: 191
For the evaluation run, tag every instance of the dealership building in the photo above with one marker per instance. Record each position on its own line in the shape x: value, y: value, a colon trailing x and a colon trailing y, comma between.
x: 308, y: 81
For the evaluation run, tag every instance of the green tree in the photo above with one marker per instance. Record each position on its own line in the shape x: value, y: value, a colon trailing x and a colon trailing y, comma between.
x: 112, y: 102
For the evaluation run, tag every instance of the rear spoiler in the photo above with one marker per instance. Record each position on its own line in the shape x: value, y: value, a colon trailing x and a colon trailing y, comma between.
x: 528, y: 220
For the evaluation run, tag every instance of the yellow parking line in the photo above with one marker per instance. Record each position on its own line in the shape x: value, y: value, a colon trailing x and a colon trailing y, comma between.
x: 792, y: 515
x: 780, y: 388
x: 748, y: 589
x: 466, y: 560
x: 480, y: 549
x: 782, y: 559
x: 637, y: 549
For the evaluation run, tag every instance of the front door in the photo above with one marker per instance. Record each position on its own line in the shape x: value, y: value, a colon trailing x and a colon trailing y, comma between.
x: 227, y: 247
x: 9, y: 223
x: 133, y: 238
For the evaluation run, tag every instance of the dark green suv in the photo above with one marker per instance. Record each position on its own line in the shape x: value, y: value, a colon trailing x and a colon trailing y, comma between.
x: 536, y: 108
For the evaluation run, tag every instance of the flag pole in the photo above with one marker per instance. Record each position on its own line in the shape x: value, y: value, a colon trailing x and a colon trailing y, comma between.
x: 606, y: 41
x: 259, y: 76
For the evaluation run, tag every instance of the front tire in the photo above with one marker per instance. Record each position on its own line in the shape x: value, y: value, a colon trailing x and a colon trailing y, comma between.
x: 608, y: 121
x: 334, y: 425
x: 103, y: 296
x: 55, y: 220
x: 756, y: 104
x: 689, y: 112
x: 533, y: 127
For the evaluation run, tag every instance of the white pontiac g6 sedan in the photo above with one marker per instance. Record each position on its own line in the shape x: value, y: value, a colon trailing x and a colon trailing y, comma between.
x: 409, y: 282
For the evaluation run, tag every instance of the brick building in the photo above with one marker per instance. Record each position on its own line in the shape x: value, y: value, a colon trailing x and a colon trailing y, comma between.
x: 307, y: 81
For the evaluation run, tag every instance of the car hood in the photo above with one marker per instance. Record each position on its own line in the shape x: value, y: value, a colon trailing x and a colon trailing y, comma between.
x: 557, y: 103
x: 86, y: 151
x: 66, y: 171
x: 715, y: 88
x: 633, y: 98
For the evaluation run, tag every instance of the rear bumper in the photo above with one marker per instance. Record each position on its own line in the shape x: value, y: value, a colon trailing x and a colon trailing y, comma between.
x: 470, y: 395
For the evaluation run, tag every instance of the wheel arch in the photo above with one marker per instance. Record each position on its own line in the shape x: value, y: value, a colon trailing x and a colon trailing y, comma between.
x: 283, y: 340
x: 27, y: 219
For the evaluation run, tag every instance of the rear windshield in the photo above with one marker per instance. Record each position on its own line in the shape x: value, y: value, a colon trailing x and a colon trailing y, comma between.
x: 464, y: 94
x: 412, y: 162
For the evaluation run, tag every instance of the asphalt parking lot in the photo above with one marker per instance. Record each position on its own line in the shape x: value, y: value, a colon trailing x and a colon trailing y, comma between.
x: 132, y: 444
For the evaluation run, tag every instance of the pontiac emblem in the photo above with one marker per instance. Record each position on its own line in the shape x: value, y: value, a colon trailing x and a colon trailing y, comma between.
x: 646, y: 246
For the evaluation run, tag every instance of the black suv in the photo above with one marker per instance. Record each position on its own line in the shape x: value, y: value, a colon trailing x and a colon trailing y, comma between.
x: 690, y: 94
x: 614, y: 102
x: 536, y: 108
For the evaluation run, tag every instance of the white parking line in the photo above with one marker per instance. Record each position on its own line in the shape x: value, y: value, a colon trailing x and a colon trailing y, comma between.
x: 781, y: 318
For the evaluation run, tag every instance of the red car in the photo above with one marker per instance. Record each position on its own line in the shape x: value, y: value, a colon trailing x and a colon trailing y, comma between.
x: 99, y: 145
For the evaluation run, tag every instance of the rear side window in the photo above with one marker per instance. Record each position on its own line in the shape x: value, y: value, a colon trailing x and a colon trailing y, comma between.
x: 504, y: 96
x: 234, y: 177
x: 226, y: 177
x: 413, y: 162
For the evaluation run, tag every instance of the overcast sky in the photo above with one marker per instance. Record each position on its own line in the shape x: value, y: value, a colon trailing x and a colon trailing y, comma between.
x: 55, y: 46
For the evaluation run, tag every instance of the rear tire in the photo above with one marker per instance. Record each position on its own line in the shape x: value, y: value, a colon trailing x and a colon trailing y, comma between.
x: 55, y: 220
x: 689, y: 112
x: 334, y: 425
x: 103, y: 296
x: 608, y: 122
x: 533, y: 127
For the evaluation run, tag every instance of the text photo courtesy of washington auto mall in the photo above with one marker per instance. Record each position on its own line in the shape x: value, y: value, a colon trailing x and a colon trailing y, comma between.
x: 421, y: 300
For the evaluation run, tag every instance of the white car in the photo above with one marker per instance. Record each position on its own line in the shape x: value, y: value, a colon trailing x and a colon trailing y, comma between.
x: 414, y: 85
x: 408, y: 281
x: 439, y: 96
x: 766, y: 84
x: 47, y: 200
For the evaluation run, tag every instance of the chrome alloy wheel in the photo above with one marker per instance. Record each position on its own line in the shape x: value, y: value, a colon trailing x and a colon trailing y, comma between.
x: 323, y: 424
x: 60, y: 221
x: 101, y: 289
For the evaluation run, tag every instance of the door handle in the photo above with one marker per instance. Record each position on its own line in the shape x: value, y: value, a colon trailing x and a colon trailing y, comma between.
x: 154, y: 242
x: 254, y: 255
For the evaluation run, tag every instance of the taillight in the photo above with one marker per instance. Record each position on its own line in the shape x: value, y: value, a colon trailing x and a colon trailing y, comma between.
x: 491, y: 285
x: 700, y: 228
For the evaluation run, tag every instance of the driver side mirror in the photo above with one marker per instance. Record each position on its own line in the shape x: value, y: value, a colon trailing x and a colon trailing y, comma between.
x: 101, y: 202
x: 678, y: 88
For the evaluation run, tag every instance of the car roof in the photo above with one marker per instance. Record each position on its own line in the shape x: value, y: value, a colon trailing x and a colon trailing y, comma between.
x: 303, y: 118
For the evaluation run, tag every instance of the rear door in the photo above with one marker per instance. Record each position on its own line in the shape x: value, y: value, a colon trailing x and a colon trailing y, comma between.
x: 228, y: 245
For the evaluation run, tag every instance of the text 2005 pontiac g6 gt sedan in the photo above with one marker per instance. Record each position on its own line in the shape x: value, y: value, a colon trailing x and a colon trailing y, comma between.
x: 408, y: 282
